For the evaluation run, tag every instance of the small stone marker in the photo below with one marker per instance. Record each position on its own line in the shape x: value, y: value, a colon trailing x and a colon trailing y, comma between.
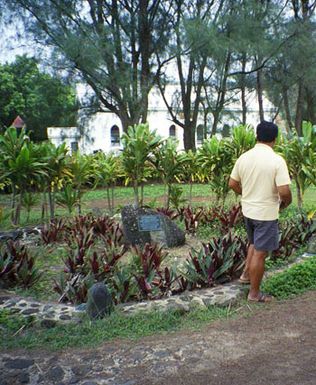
x: 99, y: 301
x: 145, y: 225
x: 311, y: 248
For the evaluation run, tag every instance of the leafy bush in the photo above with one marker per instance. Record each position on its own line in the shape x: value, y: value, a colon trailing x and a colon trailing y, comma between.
x: 218, y: 261
x: 171, y: 213
x: 191, y: 217
x: 54, y: 232
x: 17, y: 267
x: 295, y: 280
x: 228, y: 219
x: 152, y: 279
x: 92, y: 252
x: 293, y: 234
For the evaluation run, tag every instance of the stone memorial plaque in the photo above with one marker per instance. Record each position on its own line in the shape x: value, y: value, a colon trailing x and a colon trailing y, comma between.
x: 149, y: 223
x: 144, y: 225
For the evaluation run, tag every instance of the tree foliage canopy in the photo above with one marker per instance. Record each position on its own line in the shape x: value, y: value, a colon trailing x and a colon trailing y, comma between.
x: 40, y: 99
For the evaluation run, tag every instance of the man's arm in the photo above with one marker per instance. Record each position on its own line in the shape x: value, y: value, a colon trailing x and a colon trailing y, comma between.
x: 285, y: 196
x: 234, y: 185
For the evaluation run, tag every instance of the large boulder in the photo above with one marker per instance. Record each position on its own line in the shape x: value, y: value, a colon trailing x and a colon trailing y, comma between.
x: 144, y: 225
x: 99, y: 302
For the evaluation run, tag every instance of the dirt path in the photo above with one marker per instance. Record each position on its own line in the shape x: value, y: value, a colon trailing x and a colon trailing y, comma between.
x: 276, y: 345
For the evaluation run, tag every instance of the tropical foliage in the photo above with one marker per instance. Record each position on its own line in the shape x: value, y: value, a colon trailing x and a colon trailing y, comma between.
x: 28, y: 168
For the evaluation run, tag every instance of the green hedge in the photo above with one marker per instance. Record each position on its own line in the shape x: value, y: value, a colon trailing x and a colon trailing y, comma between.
x: 297, y: 279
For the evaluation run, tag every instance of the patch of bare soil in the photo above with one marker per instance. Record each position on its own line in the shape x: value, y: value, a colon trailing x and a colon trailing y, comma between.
x: 273, y: 345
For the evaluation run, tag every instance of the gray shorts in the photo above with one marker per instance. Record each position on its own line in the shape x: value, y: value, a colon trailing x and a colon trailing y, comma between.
x: 264, y: 235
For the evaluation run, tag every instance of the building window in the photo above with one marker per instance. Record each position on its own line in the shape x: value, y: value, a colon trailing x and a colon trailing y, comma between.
x: 115, y: 136
x: 74, y: 147
x: 172, y: 131
x: 200, y: 134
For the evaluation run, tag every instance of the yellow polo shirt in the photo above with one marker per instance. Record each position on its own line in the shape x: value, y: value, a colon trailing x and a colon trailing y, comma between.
x: 259, y: 171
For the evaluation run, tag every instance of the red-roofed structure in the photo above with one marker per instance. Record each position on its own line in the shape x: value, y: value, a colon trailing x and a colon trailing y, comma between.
x: 18, y: 122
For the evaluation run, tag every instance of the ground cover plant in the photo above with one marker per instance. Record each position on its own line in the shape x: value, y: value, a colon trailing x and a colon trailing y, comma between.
x: 295, y: 280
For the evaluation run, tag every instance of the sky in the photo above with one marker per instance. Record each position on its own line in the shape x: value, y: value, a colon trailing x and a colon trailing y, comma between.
x: 11, y: 45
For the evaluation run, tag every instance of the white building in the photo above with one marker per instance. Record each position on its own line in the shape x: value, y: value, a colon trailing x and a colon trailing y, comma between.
x: 104, y: 129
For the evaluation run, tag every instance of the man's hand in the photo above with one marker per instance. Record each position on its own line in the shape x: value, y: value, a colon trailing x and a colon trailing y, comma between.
x: 234, y: 185
x: 285, y: 196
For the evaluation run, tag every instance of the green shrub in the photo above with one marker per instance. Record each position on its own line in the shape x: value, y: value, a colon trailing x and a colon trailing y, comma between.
x: 295, y: 280
x: 17, y: 267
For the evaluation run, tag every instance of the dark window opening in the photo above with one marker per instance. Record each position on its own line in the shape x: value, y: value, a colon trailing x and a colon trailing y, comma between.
x: 115, y: 135
x: 74, y: 146
x: 172, y: 130
x: 200, y: 134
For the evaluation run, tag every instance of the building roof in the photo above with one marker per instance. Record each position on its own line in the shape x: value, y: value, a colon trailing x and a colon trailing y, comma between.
x: 18, y: 122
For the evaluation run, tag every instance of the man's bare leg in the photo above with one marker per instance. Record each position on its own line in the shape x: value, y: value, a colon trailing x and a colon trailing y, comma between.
x: 256, y: 271
x: 245, y: 274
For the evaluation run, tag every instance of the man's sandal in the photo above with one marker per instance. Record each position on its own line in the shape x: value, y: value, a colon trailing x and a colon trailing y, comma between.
x: 262, y: 298
x: 243, y: 280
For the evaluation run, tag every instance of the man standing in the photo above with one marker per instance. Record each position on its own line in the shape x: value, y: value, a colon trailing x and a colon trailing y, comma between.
x: 262, y: 178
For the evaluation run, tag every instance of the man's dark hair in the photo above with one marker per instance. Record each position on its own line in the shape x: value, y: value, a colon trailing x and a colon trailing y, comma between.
x: 266, y: 131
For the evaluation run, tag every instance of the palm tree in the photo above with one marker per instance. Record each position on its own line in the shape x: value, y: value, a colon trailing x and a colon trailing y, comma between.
x: 107, y: 170
x: 300, y: 156
x: 81, y: 170
x: 168, y: 163
x: 139, y: 145
x: 21, y: 165
x: 57, y: 171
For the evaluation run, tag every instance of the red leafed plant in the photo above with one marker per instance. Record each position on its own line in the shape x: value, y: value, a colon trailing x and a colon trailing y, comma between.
x: 228, y: 219
x: 191, y: 217
x: 17, y: 267
x: 152, y: 279
x: 54, y: 232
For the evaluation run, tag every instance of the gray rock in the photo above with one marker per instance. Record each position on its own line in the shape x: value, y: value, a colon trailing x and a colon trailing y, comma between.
x: 23, y: 378
x: 19, y: 363
x: 197, y: 303
x: 81, y: 307
x: 311, y: 249
x: 99, y: 301
x: 169, y: 233
x: 48, y: 323
x: 55, y: 374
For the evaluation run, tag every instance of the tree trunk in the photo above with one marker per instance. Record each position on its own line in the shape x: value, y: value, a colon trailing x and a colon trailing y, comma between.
x: 142, y: 194
x: 51, y: 204
x: 287, y: 110
x: 44, y: 206
x: 299, y: 109
x: 260, y: 95
x: 13, y: 199
x: 168, y: 195
x: 79, y: 202
x: 136, y: 195
x: 299, y: 196
x: 310, y: 101
x: 112, y: 199
x: 190, y: 193
x: 243, y: 90
x: 189, y: 137
x: 18, y: 210
x: 109, y: 199
x: 215, y: 122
